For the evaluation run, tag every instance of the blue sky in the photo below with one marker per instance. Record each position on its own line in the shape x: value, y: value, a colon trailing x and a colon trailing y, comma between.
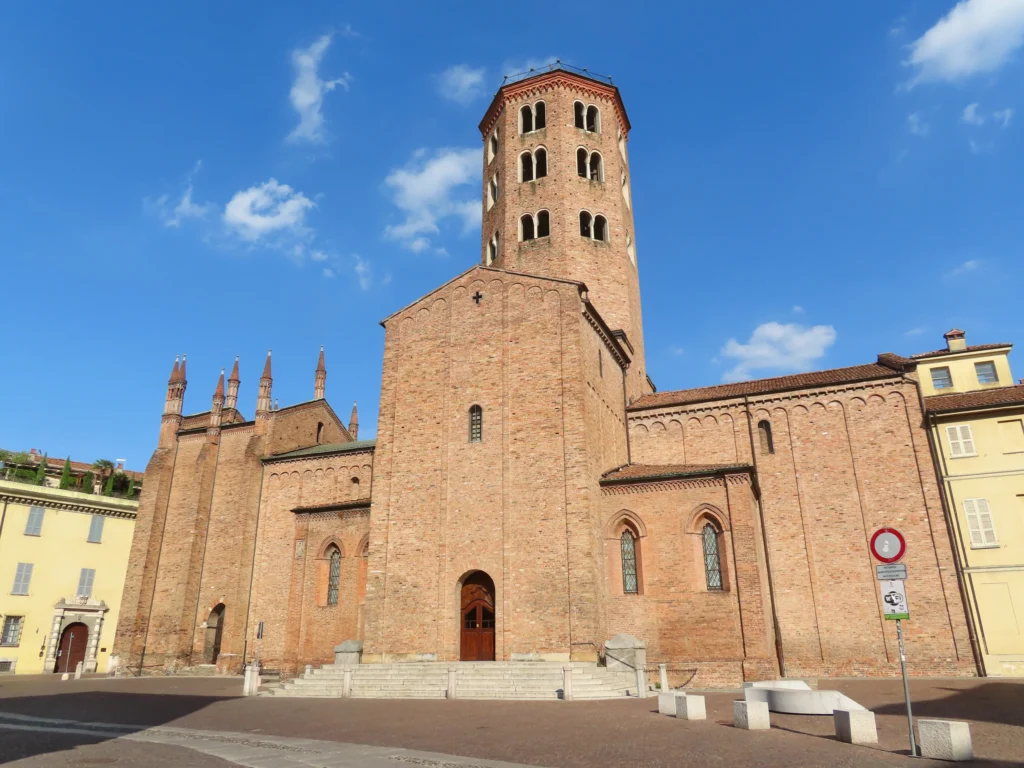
x: 813, y: 183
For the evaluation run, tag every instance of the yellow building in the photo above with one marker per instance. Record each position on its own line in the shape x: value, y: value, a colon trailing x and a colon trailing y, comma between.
x: 63, y: 558
x: 976, y: 418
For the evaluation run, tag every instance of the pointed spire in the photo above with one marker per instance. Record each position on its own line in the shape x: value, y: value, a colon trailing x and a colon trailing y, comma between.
x: 353, y: 422
x: 181, y: 371
x: 174, y: 370
x: 266, y: 366
x: 175, y: 389
x: 219, y: 392
x: 264, y: 402
x: 216, y: 410
x: 233, y: 381
x: 320, y: 383
x: 234, y: 371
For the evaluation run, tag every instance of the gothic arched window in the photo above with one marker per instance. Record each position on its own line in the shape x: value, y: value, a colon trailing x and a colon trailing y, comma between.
x: 600, y: 228
x: 526, y: 167
x: 476, y: 424
x: 764, y: 432
x: 540, y: 162
x: 593, y: 119
x: 712, y: 561
x: 596, y: 167
x: 526, y: 119
x: 526, y: 228
x: 630, y: 585
x: 543, y: 224
x: 333, y: 575
x: 586, y: 224
x: 581, y: 162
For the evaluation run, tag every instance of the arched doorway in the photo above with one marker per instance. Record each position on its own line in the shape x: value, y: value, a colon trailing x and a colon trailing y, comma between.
x: 214, y: 630
x: 477, y: 618
x: 74, y: 641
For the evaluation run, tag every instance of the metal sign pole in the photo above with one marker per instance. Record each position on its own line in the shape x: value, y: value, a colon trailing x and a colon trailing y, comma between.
x: 906, y: 688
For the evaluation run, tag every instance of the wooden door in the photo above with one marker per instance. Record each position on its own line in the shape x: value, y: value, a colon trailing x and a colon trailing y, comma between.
x: 477, y: 642
x: 73, y: 643
x: 214, y: 633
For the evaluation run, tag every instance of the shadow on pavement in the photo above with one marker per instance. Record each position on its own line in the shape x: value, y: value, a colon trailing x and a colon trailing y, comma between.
x: 990, y: 702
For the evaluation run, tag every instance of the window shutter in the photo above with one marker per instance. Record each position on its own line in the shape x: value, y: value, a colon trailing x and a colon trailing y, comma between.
x: 987, y: 527
x: 973, y: 527
x: 953, y: 435
x: 966, y: 439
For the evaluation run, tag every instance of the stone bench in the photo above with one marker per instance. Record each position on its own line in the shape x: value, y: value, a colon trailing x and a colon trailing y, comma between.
x: 855, y: 726
x: 751, y: 715
x: 945, y: 739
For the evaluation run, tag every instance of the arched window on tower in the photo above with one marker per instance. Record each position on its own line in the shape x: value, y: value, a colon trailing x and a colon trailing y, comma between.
x: 543, y: 224
x: 625, y: 192
x: 622, y: 144
x: 764, y: 433
x: 630, y: 249
x: 492, y: 250
x: 579, y: 115
x: 526, y: 167
x: 319, y: 432
x: 476, y: 424
x: 600, y: 228
x: 627, y: 543
x: 526, y: 119
x: 593, y: 119
x: 581, y: 162
x: 539, y: 116
x: 596, y: 167
x: 333, y: 574
x: 586, y: 224
x: 492, y: 146
x: 526, y: 229
x: 712, y: 561
x: 540, y: 162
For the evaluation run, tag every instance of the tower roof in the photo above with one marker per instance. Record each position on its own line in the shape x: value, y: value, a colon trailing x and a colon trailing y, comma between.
x: 174, y: 371
x: 234, y: 371
x: 181, y: 370
x: 219, y: 392
x: 320, y: 362
x: 266, y: 366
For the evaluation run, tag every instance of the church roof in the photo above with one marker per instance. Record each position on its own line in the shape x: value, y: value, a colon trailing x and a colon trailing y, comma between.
x: 634, y: 472
x: 983, y: 398
x: 888, y: 365
x: 325, y: 448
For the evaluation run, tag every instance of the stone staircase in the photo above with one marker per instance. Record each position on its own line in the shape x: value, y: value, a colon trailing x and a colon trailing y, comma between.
x: 473, y: 680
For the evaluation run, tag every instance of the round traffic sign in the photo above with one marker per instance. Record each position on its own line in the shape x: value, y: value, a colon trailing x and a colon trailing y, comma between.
x: 888, y: 545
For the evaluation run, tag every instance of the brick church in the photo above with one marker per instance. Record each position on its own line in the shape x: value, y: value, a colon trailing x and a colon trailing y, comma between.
x: 529, y: 494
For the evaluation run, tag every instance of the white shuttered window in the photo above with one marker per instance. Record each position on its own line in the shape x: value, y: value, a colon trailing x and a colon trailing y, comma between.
x: 979, y: 523
x: 961, y: 442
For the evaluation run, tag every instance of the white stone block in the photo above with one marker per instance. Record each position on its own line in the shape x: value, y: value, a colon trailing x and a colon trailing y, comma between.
x: 855, y: 726
x: 945, y: 739
x: 667, y: 703
x: 65, y: 676
x: 691, y: 707
x: 751, y: 715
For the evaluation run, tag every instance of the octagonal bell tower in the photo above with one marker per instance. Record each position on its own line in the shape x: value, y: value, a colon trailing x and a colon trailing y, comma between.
x: 556, y: 194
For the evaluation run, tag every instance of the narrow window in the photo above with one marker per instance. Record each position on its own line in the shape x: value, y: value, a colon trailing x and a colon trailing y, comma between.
x: 492, y: 249
x: 22, y: 579
x: 585, y: 222
x: 986, y: 372
x: 581, y: 162
x: 34, y: 525
x: 539, y: 115
x: 319, y: 432
x: 543, y: 224
x: 334, y: 576
x: 525, y: 119
x: 96, y: 529
x: 941, y: 378
x: 961, y: 441
x: 492, y: 148
x: 712, y: 563
x: 600, y: 363
x: 627, y: 543
x: 11, y: 634
x: 578, y: 110
x: 622, y: 144
x: 476, y: 424
x: 593, y: 119
x: 541, y: 162
x: 526, y: 231
x: 596, y: 171
x: 526, y: 167
x: 493, y: 190
x: 630, y: 249
x: 85, y: 580
x: 600, y: 228
x: 764, y: 432
x: 625, y: 192
x: 979, y: 523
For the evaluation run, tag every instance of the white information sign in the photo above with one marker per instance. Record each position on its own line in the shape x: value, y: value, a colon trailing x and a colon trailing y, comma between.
x: 891, y: 572
x: 894, y: 600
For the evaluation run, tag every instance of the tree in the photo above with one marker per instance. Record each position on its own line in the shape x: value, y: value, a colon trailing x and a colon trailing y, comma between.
x: 108, y: 489
x: 131, y: 488
x: 41, y: 471
x: 65, y: 476
x: 88, y: 481
x: 103, y: 467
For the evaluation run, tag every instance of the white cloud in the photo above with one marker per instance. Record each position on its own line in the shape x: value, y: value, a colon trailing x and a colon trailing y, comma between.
x: 971, y: 265
x: 307, y: 93
x: 916, y: 124
x: 267, y: 209
x: 916, y: 331
x: 971, y: 115
x: 317, y: 255
x: 521, y: 66
x: 976, y: 36
x: 1003, y: 116
x: 461, y: 83
x: 798, y: 309
x: 328, y: 272
x: 778, y: 347
x: 363, y: 273
x: 424, y: 191
x: 676, y: 350
x: 185, y: 208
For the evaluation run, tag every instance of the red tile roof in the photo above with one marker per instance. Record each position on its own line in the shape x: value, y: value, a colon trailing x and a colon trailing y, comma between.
x: 665, y: 471
x: 974, y: 348
x: 888, y: 365
x: 982, y: 398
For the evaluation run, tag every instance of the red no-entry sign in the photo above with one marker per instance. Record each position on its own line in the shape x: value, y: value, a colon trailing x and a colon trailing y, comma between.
x: 888, y: 545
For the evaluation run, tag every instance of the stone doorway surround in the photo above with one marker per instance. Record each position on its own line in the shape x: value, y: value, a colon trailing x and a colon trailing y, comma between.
x: 86, y: 610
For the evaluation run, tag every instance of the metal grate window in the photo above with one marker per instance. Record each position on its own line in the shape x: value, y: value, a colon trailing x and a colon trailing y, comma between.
x: 6, y: 666
x: 96, y: 529
x: 476, y: 424
x: 629, y: 582
x: 941, y: 378
x: 712, y: 562
x: 986, y: 372
x: 34, y: 526
x: 11, y: 634
x: 22, y: 579
x: 334, y: 579
x: 85, y: 581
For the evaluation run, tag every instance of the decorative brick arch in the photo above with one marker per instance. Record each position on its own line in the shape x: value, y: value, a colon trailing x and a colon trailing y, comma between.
x: 706, y: 513
x: 321, y: 553
x: 623, y: 518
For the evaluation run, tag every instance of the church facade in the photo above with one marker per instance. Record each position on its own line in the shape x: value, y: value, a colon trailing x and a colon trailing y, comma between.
x: 529, y: 494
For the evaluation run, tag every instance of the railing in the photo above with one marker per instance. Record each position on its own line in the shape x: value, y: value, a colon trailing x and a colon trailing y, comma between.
x: 552, y: 67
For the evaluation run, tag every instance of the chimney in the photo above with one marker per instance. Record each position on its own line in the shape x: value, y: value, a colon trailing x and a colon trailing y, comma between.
x: 956, y: 340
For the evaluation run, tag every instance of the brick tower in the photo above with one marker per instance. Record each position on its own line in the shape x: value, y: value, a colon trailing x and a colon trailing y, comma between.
x: 556, y: 194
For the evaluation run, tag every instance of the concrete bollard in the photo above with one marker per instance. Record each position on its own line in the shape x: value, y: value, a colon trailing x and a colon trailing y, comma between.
x: 78, y: 670
x: 567, y: 682
x: 751, y: 715
x: 65, y: 676
x: 663, y: 677
x: 250, y: 686
x: 450, y: 694
x: 346, y: 684
x: 641, y: 683
x: 855, y: 726
x: 667, y: 703
x: 690, y: 707
x: 308, y: 672
x: 945, y: 739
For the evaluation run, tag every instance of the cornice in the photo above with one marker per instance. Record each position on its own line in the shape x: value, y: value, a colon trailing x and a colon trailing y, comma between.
x: 606, y: 334
x: 271, y: 461
x: 70, y: 501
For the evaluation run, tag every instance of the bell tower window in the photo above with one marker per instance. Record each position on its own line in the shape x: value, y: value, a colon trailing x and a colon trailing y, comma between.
x: 526, y: 167
x: 532, y: 117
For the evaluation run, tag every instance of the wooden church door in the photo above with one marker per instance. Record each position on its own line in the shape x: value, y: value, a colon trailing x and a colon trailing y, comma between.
x: 477, y: 618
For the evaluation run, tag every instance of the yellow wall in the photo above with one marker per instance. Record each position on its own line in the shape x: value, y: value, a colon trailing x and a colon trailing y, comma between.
x: 961, y: 370
x: 58, y: 555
